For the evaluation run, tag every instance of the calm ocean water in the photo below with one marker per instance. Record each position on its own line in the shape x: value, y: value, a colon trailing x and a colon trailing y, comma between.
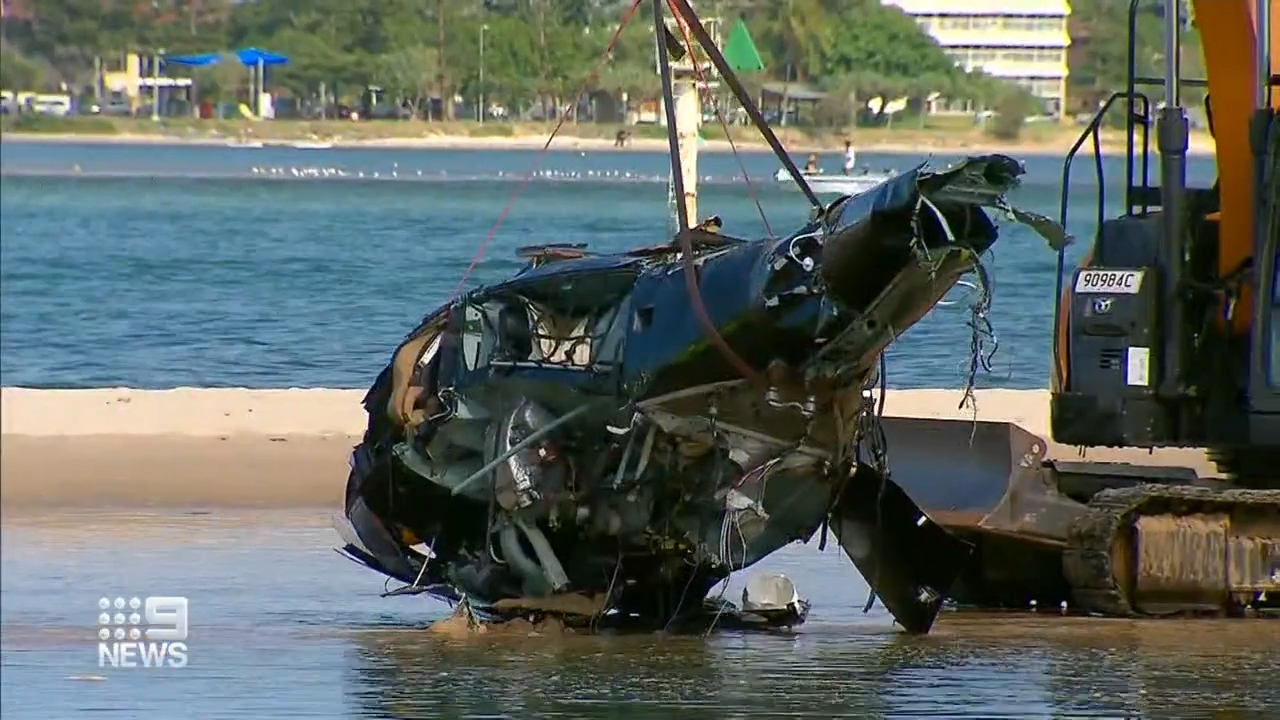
x: 158, y: 267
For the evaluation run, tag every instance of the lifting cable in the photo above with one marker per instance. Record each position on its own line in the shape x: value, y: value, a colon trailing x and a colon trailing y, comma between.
x: 686, y: 244
x: 537, y: 161
x: 744, y: 99
x: 691, y: 283
x: 724, y: 125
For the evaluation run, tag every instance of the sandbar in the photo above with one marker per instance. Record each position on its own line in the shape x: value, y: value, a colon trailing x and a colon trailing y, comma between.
x: 197, y: 447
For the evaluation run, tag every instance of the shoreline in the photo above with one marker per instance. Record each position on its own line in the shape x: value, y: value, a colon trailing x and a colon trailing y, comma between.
x: 111, y: 448
x: 912, y: 143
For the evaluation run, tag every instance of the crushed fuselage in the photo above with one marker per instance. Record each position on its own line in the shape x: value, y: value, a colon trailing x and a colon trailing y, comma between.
x: 569, y: 442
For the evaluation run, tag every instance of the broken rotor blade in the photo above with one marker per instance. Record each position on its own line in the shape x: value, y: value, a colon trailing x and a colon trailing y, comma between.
x: 909, y: 562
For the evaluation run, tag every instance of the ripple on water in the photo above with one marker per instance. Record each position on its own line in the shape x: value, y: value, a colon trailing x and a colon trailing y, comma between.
x: 283, y: 627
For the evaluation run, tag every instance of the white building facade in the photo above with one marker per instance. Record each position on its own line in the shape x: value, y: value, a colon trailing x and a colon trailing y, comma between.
x: 1022, y: 41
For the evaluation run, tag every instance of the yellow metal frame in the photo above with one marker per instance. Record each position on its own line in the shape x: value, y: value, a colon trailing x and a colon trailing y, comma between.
x: 1229, y: 37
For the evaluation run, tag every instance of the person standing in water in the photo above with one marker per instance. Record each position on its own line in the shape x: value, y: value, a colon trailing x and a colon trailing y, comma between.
x: 850, y: 157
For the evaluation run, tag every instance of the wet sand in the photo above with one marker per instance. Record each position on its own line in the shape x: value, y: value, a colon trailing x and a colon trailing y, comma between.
x: 170, y: 470
x: 120, y: 447
x: 281, y: 626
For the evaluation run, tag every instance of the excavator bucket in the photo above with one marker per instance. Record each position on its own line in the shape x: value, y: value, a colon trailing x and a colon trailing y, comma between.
x: 988, y: 483
x: 974, y: 475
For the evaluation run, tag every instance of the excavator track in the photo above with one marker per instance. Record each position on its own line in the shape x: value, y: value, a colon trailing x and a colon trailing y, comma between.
x: 1154, y: 550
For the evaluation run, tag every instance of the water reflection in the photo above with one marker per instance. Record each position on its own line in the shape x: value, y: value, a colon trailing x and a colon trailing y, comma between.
x: 282, y: 627
x: 406, y: 674
x: 989, y: 667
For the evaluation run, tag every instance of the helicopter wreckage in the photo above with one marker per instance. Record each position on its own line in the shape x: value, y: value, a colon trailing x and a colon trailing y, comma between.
x: 575, y: 442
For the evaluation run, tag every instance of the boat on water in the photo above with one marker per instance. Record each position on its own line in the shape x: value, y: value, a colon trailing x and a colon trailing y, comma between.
x: 605, y: 437
x: 247, y: 144
x: 838, y: 184
x: 312, y: 145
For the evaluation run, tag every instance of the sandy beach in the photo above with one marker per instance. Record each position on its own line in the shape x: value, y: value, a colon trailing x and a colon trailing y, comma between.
x: 119, y: 447
x: 1041, y: 139
x: 940, y: 145
x: 531, y: 142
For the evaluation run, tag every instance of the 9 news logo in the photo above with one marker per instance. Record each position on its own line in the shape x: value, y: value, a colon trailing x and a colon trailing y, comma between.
x: 154, y: 638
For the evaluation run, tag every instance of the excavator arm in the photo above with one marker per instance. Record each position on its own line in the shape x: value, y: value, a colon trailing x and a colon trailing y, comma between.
x: 1229, y: 36
x: 1166, y: 336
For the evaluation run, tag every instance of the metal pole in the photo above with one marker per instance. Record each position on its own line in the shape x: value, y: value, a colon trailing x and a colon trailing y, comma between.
x: 1173, y: 140
x: 669, y: 106
x: 699, y: 33
x: 1262, y: 17
x: 1172, y: 53
x: 155, y: 85
x: 262, y: 88
x: 482, y: 102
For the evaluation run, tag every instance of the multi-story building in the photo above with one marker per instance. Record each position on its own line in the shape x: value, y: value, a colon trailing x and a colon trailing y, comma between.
x: 1022, y: 41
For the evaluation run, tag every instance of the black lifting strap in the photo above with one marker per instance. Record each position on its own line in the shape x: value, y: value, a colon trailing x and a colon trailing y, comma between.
x: 744, y: 98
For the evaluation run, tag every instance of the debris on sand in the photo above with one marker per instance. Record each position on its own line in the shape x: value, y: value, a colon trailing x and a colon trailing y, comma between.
x: 464, y: 623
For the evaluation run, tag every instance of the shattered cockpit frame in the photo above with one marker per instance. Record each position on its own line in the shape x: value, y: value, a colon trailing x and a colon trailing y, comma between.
x: 571, y: 442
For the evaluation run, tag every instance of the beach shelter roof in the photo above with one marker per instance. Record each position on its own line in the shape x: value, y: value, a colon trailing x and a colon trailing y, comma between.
x: 799, y: 92
x: 249, y: 57
x: 201, y: 60
x: 255, y: 56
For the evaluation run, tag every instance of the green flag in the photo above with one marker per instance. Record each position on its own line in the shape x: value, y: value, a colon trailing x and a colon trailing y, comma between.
x: 740, y: 51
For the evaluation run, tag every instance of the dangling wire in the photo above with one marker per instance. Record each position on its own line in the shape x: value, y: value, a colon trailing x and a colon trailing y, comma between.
x: 537, y: 161
x: 983, y: 342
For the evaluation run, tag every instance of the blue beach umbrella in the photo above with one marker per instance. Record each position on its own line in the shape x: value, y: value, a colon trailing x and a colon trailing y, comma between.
x: 259, y: 59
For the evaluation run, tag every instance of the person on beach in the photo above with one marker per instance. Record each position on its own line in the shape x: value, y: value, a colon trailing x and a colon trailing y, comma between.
x: 850, y: 157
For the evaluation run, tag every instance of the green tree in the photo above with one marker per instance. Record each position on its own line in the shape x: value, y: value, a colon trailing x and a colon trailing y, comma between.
x: 223, y: 80
x: 20, y: 72
x: 1011, y: 112
x: 1099, y: 48
x: 631, y: 67
x: 411, y: 73
x: 539, y: 52
x: 882, y: 53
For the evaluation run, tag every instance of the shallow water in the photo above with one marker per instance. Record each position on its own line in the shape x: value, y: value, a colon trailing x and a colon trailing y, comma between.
x: 283, y: 627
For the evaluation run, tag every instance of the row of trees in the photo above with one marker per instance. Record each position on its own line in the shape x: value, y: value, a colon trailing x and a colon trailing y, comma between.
x: 531, y: 50
x: 1099, y: 45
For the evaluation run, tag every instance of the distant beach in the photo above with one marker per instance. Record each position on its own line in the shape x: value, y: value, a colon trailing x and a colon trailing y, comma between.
x: 952, y: 138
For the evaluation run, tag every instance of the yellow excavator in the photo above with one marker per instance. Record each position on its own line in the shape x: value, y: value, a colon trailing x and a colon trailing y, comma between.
x: 1166, y: 336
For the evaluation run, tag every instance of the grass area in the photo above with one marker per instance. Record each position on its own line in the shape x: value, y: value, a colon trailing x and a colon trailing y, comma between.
x: 928, y: 133
x: 296, y: 129
x: 54, y: 125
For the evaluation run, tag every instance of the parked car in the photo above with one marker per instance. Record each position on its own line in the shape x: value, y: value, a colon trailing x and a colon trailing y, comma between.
x: 52, y: 105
